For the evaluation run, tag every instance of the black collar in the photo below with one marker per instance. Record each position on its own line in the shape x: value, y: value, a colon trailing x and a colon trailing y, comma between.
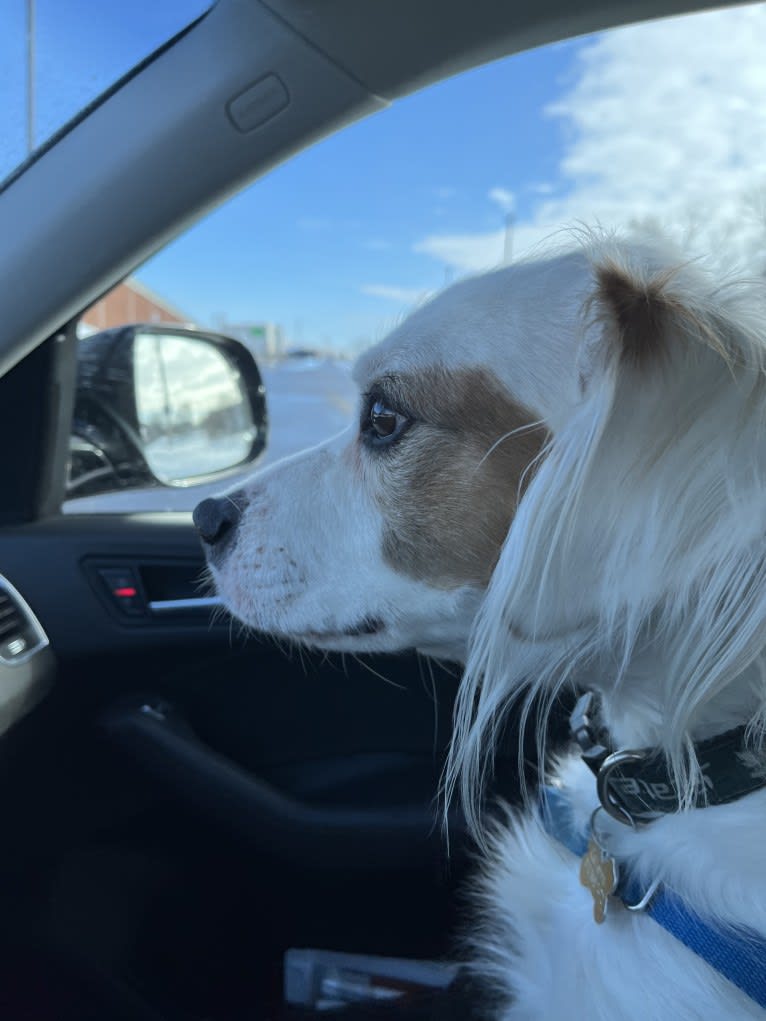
x: 634, y: 786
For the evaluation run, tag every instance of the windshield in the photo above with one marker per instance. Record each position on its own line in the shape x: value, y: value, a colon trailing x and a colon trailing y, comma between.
x: 57, y: 58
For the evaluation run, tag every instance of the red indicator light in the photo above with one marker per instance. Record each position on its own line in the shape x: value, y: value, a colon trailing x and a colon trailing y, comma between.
x: 127, y: 592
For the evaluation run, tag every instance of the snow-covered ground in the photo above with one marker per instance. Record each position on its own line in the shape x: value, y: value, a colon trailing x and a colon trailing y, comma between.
x: 308, y: 401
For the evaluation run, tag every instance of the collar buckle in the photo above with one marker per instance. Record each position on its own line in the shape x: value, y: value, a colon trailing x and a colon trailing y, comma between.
x: 611, y: 806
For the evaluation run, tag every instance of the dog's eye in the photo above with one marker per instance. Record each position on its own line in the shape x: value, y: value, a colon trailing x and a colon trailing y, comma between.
x: 383, y: 420
x: 383, y: 424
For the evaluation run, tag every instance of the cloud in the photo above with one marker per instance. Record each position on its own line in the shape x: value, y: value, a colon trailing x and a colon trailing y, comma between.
x: 473, y: 253
x: 404, y: 295
x: 503, y: 198
x: 377, y: 245
x: 445, y: 193
x: 668, y: 125
x: 665, y: 129
x: 466, y: 252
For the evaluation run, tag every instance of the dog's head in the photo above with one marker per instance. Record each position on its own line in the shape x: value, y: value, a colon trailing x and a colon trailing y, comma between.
x: 386, y: 536
x: 553, y: 464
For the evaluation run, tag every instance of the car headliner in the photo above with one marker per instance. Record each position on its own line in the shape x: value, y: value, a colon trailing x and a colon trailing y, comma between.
x: 163, y: 149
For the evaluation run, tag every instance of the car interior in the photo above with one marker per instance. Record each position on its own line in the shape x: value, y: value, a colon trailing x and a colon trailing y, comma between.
x: 183, y: 802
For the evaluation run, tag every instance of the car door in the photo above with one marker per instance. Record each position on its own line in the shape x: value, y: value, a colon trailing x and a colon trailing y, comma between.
x: 185, y: 802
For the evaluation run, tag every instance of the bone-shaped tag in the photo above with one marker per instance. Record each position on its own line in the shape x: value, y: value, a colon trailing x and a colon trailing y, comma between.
x: 598, y: 872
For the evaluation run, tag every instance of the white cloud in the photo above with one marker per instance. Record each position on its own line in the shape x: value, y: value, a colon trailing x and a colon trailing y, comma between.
x: 404, y: 295
x: 469, y: 252
x: 503, y: 198
x: 377, y: 245
x: 472, y: 253
x: 666, y: 128
x: 445, y: 193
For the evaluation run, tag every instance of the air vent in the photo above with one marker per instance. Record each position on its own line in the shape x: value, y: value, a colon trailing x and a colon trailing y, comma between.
x: 21, y: 634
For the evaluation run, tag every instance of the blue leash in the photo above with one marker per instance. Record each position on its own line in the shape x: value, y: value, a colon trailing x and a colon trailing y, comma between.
x: 736, y: 953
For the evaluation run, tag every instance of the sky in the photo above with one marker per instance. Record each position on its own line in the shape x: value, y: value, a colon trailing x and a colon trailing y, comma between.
x: 659, y: 126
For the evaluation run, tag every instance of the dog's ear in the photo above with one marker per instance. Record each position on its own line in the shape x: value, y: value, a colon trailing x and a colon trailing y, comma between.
x: 649, y: 311
x: 637, y: 309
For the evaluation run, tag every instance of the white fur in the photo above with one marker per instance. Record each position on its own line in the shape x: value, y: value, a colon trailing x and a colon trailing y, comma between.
x: 634, y: 565
x: 307, y: 564
x: 536, y: 942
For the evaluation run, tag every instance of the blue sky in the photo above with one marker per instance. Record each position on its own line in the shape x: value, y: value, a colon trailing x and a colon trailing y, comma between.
x: 301, y: 245
x: 662, y: 124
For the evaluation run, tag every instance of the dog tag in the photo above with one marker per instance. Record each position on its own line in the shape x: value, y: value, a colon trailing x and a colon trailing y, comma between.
x: 598, y: 872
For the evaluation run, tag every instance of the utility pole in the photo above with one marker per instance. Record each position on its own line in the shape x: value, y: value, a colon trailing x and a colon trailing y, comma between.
x: 30, y: 76
x: 510, y: 223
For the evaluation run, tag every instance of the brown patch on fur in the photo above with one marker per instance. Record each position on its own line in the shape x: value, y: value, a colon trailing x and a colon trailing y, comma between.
x: 450, y: 487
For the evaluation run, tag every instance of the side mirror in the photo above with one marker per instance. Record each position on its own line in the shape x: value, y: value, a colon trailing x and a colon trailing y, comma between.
x: 163, y: 404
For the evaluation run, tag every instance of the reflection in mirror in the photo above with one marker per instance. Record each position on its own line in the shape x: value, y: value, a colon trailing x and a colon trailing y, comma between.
x: 192, y: 407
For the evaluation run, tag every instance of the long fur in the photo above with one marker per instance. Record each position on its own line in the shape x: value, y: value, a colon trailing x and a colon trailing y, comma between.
x: 647, y: 518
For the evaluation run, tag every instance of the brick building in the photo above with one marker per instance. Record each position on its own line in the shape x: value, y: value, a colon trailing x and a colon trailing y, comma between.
x: 131, y: 302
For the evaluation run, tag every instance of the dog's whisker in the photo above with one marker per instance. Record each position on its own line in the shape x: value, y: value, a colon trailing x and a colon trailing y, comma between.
x: 520, y: 430
x: 429, y: 686
x: 371, y: 670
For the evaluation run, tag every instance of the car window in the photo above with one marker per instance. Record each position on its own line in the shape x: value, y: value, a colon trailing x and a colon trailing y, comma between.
x: 658, y: 126
x: 56, y: 58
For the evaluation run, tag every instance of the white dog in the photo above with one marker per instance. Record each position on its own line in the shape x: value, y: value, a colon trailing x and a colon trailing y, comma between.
x: 559, y: 477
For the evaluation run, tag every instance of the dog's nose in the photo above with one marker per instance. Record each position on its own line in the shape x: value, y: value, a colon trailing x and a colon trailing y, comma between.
x: 216, y: 519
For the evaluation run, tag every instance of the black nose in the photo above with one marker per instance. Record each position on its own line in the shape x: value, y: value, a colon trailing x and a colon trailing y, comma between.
x: 216, y: 519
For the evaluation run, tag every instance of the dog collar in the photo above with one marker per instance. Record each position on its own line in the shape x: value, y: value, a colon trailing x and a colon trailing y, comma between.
x: 634, y: 785
x: 736, y: 953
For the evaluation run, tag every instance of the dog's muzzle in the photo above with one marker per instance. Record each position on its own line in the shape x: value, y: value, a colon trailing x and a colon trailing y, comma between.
x: 216, y: 521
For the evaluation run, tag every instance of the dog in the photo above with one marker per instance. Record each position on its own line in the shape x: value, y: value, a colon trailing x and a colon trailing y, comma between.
x: 558, y: 477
